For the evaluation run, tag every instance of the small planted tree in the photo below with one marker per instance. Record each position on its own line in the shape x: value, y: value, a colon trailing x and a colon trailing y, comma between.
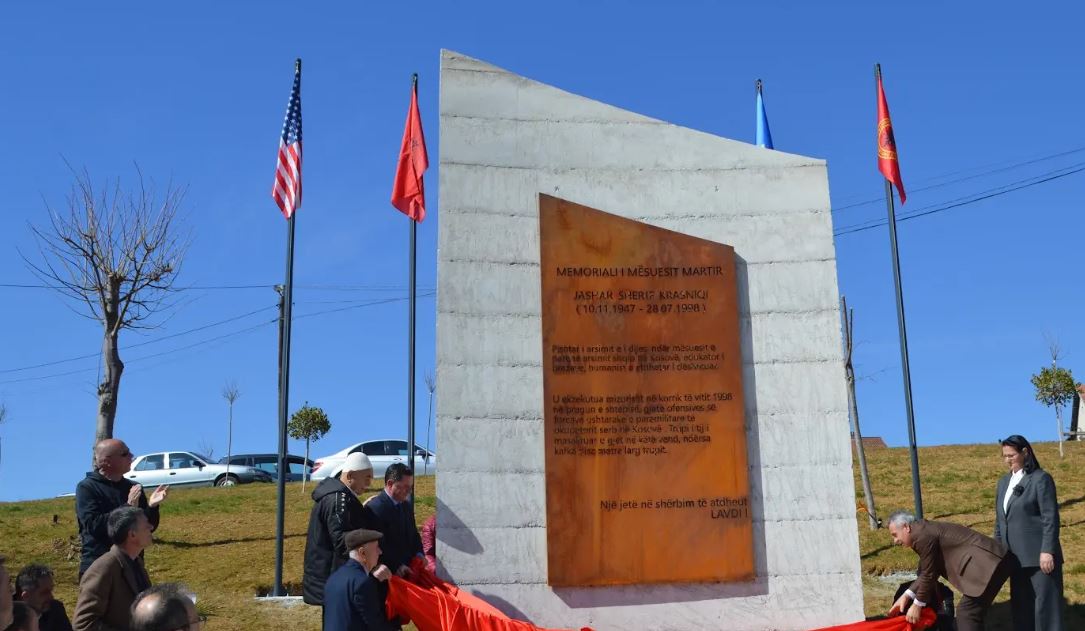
x: 1055, y: 387
x: 431, y: 386
x: 230, y: 392
x: 3, y: 413
x: 308, y: 424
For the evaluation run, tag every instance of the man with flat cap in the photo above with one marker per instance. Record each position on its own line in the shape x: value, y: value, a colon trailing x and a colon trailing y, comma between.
x: 354, y: 594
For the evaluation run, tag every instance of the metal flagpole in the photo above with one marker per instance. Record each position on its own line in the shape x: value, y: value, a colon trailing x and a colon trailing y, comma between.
x: 907, y: 373
x: 284, y: 391
x: 410, y: 352
x: 410, y: 334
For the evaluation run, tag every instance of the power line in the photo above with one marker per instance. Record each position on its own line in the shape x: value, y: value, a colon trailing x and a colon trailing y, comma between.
x: 365, y: 304
x: 216, y: 287
x: 207, y: 341
x: 930, y: 210
x: 154, y: 341
x: 966, y: 178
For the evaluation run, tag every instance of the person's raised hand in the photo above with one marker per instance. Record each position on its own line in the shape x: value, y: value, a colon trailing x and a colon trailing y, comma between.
x: 159, y: 495
x: 134, y: 494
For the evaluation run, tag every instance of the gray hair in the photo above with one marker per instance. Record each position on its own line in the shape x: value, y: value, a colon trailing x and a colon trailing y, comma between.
x: 901, y: 518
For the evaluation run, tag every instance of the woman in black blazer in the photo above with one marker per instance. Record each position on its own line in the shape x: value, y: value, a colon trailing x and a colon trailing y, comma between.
x: 1027, y: 522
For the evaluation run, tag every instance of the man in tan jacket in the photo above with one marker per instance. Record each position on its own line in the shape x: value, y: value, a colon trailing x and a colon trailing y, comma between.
x: 110, y: 585
x: 975, y: 564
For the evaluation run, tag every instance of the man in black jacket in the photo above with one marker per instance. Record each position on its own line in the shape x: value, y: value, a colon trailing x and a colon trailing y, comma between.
x: 104, y: 490
x: 337, y: 511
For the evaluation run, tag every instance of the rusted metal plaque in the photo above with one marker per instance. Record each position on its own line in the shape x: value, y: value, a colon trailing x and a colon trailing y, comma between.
x: 646, y: 478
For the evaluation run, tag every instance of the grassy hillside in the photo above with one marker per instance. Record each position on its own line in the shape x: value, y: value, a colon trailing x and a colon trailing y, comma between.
x: 958, y: 484
x: 221, y: 541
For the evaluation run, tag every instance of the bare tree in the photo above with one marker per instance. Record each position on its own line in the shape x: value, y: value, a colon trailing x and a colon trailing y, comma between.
x: 853, y: 410
x: 230, y: 392
x: 431, y: 385
x: 116, y: 253
x: 207, y: 448
x: 3, y: 412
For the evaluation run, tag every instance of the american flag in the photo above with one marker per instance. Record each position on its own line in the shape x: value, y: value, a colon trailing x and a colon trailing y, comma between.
x: 287, y: 188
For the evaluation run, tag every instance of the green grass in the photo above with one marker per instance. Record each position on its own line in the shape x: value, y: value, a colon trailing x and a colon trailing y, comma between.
x: 220, y: 542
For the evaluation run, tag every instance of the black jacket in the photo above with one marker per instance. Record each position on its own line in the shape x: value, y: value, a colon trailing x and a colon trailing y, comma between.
x: 95, y: 497
x: 337, y: 511
x: 401, y: 540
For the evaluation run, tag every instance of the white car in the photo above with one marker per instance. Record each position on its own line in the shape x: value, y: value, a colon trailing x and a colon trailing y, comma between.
x: 382, y: 453
x: 186, y: 468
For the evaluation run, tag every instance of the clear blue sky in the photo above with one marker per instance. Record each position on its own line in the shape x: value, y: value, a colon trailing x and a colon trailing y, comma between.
x: 197, y: 92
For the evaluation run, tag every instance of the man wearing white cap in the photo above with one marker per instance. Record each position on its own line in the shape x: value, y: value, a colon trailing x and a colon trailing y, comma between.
x: 337, y: 511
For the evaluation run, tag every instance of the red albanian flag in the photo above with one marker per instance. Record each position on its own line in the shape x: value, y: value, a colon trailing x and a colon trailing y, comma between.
x: 888, y: 163
x: 408, y: 193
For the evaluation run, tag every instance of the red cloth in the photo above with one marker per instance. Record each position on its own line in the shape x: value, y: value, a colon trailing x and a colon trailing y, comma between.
x: 429, y: 542
x: 408, y: 194
x: 434, y: 605
x: 894, y: 623
x: 888, y: 163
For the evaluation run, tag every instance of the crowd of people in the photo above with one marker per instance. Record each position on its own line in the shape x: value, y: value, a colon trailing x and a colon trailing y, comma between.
x: 351, y: 550
x: 353, y: 547
x: 1024, y: 550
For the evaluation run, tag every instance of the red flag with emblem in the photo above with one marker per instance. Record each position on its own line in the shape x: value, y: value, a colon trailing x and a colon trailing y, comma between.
x: 888, y: 163
x: 408, y: 193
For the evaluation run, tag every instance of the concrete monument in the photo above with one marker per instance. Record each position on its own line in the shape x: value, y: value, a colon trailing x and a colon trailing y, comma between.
x: 506, y: 140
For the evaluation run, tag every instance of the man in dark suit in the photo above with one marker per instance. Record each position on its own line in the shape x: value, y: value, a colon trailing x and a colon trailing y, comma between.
x: 975, y: 564
x: 394, y: 510
x: 353, y: 595
x: 110, y: 585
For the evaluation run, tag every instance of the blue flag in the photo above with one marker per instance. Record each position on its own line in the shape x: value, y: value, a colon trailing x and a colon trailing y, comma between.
x: 764, y: 136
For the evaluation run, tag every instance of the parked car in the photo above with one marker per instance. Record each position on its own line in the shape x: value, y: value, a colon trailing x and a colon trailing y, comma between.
x: 382, y: 453
x: 188, y: 468
x: 296, y: 465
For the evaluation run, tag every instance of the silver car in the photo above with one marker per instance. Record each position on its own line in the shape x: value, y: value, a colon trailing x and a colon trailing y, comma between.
x: 382, y: 454
x: 188, y: 468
